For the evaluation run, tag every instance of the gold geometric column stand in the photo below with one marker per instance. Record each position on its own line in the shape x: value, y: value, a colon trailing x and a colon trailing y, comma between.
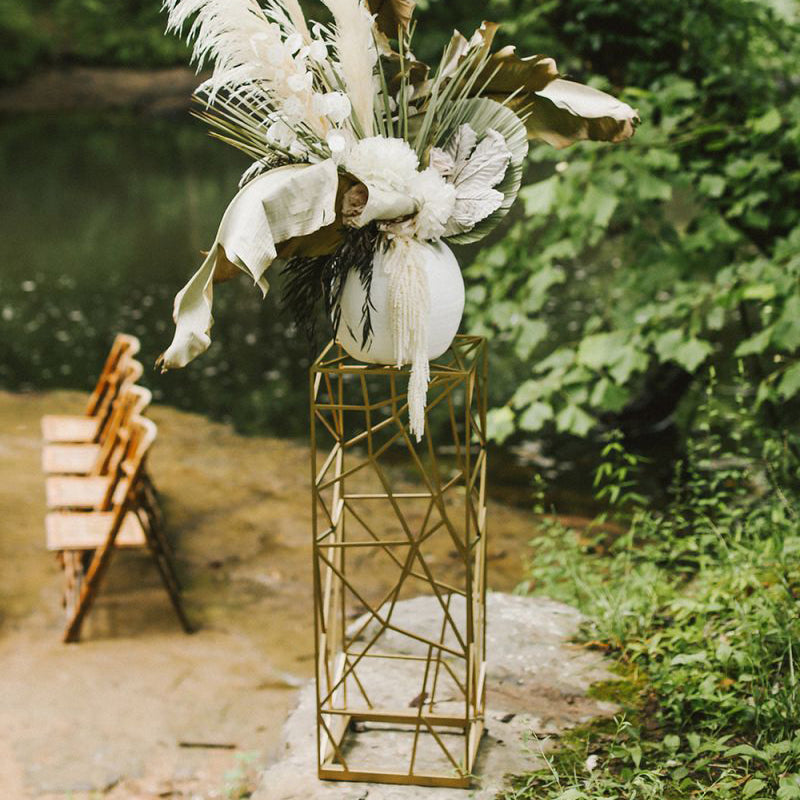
x: 400, y: 685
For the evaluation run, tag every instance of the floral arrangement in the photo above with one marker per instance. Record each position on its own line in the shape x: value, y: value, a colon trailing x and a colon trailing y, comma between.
x: 361, y: 154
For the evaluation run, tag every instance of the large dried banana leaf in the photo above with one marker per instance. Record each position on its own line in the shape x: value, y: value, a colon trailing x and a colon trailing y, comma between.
x: 392, y: 15
x: 281, y: 205
x: 565, y: 112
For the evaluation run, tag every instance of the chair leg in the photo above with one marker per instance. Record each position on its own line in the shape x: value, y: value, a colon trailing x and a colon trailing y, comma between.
x: 88, y: 591
x: 166, y: 570
x: 72, y: 564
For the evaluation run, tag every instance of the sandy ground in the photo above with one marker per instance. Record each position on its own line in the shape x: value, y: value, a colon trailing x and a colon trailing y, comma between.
x: 112, y: 716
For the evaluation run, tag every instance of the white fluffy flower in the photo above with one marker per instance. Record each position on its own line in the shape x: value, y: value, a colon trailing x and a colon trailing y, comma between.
x: 380, y: 161
x: 435, y: 199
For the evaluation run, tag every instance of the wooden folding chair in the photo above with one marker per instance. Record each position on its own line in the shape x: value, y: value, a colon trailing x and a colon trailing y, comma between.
x: 89, y: 426
x: 93, y: 490
x: 93, y: 458
x: 86, y: 540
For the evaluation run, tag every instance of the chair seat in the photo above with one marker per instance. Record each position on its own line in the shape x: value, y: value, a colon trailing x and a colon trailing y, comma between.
x: 88, y: 530
x: 69, y: 459
x: 70, y: 428
x: 74, y: 491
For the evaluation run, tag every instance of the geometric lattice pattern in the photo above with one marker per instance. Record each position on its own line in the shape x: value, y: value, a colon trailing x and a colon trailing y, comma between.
x: 366, y: 645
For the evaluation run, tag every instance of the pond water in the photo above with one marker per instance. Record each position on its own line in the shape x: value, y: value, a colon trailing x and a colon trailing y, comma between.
x: 103, y: 220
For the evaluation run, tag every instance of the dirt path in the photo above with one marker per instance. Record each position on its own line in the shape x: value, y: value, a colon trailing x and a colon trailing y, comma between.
x: 110, y: 714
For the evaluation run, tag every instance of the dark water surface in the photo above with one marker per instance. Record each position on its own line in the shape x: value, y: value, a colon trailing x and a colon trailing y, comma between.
x: 103, y: 220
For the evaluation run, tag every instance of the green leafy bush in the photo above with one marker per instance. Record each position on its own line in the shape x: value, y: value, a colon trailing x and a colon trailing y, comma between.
x: 22, y: 44
x: 678, y: 248
x: 699, y: 605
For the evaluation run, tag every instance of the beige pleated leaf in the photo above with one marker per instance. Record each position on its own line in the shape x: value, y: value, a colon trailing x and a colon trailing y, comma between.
x: 484, y: 115
x: 565, y: 112
x: 476, y: 170
x: 283, y: 204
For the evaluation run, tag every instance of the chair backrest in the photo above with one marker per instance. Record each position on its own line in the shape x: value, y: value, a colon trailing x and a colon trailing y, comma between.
x: 142, y: 434
x: 125, y: 347
x: 128, y: 442
x: 127, y: 374
x: 132, y: 400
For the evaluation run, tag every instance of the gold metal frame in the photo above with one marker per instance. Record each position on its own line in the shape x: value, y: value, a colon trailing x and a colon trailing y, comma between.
x: 358, y: 411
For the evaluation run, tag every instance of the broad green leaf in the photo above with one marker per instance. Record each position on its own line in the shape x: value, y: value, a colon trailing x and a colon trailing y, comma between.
x: 692, y: 354
x: 573, y: 419
x: 787, y: 328
x: 745, y: 750
x: 600, y: 349
x: 539, y: 197
x: 535, y: 416
x: 649, y: 187
x: 755, y: 344
x: 789, y: 788
x: 712, y: 185
x: 689, y: 658
x: 500, y: 423
x: 630, y: 360
x: 790, y: 382
x: 667, y: 344
x: 528, y: 392
x: 608, y: 396
x: 531, y: 332
x: 753, y: 786
x: 571, y: 794
x: 762, y: 291
x: 689, y: 353
x: 599, y: 205
x: 767, y: 123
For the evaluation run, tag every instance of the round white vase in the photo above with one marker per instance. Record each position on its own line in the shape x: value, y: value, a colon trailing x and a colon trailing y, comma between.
x: 445, y: 309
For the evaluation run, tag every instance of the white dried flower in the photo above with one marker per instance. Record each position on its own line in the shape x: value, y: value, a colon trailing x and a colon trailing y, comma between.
x: 318, y: 51
x: 300, y: 81
x: 381, y: 161
x: 591, y: 763
x: 294, y: 42
x: 337, y: 107
x: 435, y: 199
x: 281, y: 134
x: 293, y: 109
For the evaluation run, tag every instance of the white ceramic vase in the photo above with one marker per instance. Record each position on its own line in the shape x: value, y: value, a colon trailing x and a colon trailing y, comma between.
x: 446, y: 307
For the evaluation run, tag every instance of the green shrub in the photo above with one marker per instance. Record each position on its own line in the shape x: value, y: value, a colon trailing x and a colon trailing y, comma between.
x: 678, y: 248
x: 699, y: 604
x: 22, y: 44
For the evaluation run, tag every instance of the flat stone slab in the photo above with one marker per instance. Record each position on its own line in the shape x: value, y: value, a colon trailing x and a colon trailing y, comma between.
x: 537, y: 685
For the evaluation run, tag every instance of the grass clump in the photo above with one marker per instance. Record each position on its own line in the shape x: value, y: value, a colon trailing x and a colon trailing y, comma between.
x: 699, y: 605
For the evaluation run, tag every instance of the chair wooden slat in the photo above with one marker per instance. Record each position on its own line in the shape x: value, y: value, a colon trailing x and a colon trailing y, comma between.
x: 88, y: 531
x: 70, y: 459
x: 78, y: 491
x: 66, y: 428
